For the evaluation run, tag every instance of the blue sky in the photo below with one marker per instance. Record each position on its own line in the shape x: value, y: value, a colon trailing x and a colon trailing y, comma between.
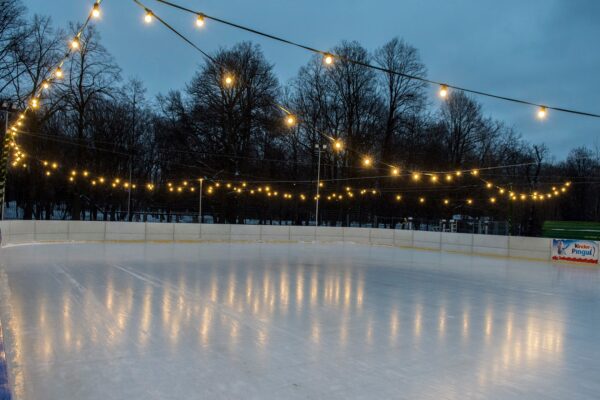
x: 544, y: 51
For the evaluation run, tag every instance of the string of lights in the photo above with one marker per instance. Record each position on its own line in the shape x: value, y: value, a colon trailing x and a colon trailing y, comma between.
x: 238, y: 188
x: 10, y: 136
x: 434, y: 177
x: 291, y: 119
x: 330, y: 58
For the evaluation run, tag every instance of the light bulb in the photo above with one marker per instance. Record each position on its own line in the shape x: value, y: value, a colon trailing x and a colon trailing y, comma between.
x: 96, y: 11
x: 200, y: 21
x: 290, y: 120
x: 328, y: 59
x: 367, y: 161
x: 395, y: 171
x: 338, y: 145
x: 148, y: 17
x: 542, y: 112
x: 75, y: 43
x: 443, y: 91
x: 58, y: 73
x: 228, y: 80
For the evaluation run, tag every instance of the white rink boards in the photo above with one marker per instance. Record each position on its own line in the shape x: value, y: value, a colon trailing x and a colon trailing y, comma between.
x: 275, y: 321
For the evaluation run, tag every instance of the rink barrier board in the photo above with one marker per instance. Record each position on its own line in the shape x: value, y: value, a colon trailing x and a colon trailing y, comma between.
x: 16, y: 232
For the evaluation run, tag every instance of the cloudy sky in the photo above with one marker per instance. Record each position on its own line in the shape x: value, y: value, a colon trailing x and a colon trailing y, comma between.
x: 544, y: 51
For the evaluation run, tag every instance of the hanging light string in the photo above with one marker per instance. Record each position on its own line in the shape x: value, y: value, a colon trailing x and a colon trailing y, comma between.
x: 250, y: 188
x: 291, y: 119
x: 239, y: 188
x: 329, y: 58
x: 54, y: 74
x: 367, y: 161
x: 435, y: 176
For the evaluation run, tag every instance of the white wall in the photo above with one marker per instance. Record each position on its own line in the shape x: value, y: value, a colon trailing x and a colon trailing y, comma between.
x: 52, y: 231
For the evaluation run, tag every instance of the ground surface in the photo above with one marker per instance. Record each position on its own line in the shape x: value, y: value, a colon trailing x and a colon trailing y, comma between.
x: 243, y: 321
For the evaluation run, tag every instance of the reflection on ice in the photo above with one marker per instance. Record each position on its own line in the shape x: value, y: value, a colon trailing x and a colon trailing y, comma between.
x: 271, y: 311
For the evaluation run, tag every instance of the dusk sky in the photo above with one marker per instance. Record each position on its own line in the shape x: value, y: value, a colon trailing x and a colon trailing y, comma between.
x: 544, y: 51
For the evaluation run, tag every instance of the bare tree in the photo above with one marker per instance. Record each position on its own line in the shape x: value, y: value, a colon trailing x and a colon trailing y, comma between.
x: 404, y: 97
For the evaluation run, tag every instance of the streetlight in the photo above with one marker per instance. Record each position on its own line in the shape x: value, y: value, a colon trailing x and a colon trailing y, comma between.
x: 319, y: 147
x: 200, y: 220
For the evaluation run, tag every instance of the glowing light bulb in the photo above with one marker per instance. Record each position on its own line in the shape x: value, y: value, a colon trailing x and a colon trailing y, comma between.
x: 489, y: 185
x: 290, y: 120
x: 367, y: 162
x: 200, y: 21
x: 395, y: 171
x: 421, y: 200
x: 474, y: 172
x: 492, y: 200
x: 35, y: 103
x: 449, y: 178
x: 338, y: 145
x: 446, y: 201
x: 469, y: 201
x: 45, y: 85
x: 75, y: 44
x: 398, y: 197
x: 148, y: 17
x: 228, y: 80
x: 96, y: 11
x: 58, y: 73
x: 542, y: 112
x: 434, y: 178
x: 416, y: 176
x: 328, y: 59
x: 443, y: 91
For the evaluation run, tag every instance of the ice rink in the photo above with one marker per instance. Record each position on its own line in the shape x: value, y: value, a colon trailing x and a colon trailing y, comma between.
x: 279, y: 321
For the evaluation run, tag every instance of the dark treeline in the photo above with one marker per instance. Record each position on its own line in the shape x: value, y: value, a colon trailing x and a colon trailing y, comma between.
x: 95, y: 120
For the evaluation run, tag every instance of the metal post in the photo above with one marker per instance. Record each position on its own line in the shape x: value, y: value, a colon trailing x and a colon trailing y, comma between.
x: 129, y: 218
x: 318, y: 185
x: 200, y: 219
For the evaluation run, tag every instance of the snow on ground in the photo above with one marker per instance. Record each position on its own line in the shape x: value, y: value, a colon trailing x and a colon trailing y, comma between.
x: 275, y: 321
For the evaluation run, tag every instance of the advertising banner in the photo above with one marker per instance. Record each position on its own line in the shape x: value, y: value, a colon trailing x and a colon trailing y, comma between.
x: 585, y: 251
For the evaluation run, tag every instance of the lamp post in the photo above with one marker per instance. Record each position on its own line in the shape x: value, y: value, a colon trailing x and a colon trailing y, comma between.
x: 319, y: 148
x: 200, y: 202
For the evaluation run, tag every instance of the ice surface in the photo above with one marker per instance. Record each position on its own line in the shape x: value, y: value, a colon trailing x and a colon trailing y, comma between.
x: 279, y: 321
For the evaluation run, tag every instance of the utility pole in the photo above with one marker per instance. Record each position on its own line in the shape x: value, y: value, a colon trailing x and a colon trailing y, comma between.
x: 200, y: 219
x: 319, y: 149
